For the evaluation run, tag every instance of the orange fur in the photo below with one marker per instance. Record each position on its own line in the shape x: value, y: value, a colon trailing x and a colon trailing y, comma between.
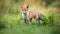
x: 32, y: 13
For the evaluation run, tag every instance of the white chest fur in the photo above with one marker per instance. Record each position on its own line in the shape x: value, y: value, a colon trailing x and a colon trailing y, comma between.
x: 25, y: 14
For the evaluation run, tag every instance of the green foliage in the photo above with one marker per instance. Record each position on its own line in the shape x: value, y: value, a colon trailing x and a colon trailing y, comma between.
x: 47, y: 2
x: 16, y: 1
x: 14, y: 24
x: 51, y: 18
x: 2, y: 25
x: 11, y: 21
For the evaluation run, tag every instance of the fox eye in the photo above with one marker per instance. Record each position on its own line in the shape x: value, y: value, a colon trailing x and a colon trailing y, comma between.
x: 25, y: 10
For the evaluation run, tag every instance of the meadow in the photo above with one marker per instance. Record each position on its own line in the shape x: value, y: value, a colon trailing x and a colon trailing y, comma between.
x: 11, y: 21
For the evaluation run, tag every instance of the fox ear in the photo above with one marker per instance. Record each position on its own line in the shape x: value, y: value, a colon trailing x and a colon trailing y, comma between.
x: 27, y: 6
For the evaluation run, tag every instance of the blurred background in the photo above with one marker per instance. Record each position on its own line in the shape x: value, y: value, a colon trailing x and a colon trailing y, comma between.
x: 11, y: 21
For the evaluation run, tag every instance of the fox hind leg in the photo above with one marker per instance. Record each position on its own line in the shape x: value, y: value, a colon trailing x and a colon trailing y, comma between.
x: 31, y: 20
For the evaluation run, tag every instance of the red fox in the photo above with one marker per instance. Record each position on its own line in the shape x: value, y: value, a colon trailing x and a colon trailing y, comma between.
x: 30, y: 14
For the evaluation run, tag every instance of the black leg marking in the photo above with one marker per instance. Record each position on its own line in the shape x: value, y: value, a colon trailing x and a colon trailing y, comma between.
x: 31, y: 20
x: 25, y: 21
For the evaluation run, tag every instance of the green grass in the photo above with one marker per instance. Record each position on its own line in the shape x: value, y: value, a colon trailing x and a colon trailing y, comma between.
x: 14, y: 24
x: 11, y: 21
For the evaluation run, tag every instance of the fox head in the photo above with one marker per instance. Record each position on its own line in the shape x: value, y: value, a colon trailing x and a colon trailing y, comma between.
x: 25, y: 12
x: 25, y: 8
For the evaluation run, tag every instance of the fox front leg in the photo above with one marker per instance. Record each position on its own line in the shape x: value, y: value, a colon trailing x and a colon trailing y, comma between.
x: 26, y: 21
